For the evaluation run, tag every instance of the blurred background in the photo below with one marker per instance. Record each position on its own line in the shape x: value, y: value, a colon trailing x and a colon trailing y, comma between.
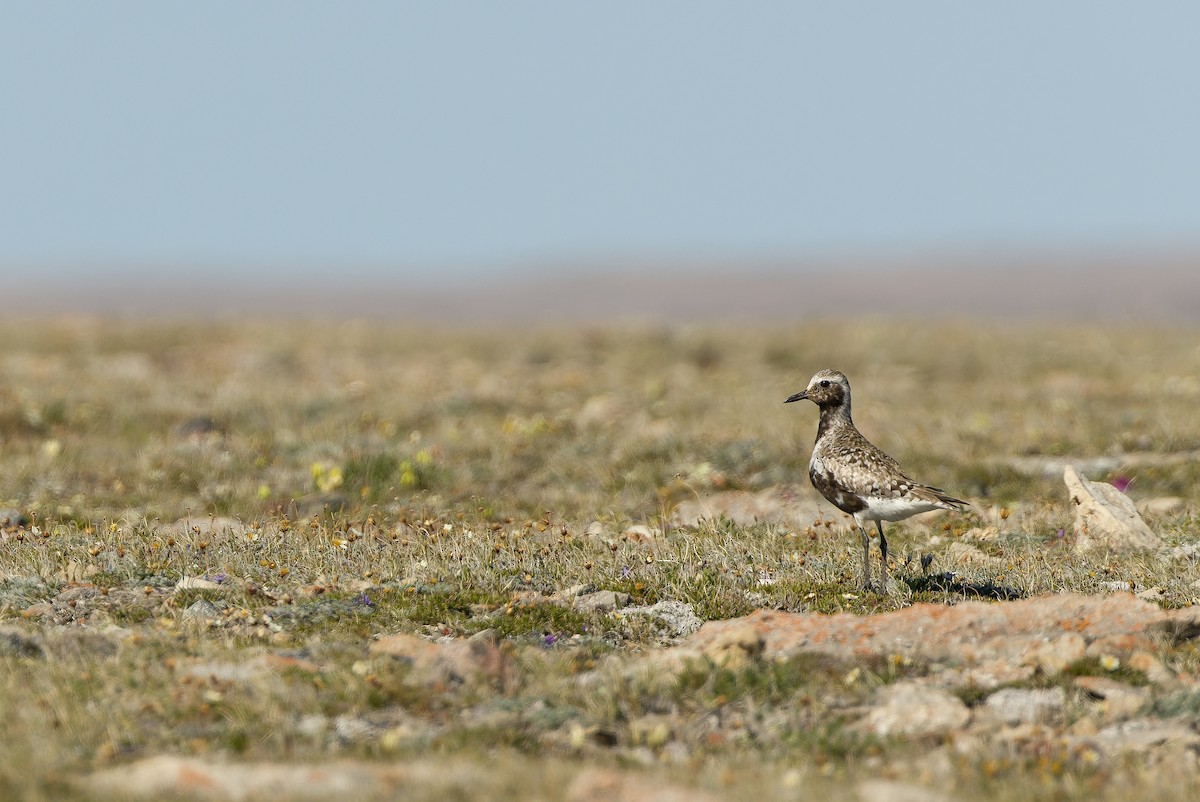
x: 539, y: 161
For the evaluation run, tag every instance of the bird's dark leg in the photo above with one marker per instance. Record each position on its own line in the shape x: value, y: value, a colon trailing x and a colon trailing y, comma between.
x: 866, y: 541
x: 883, y: 549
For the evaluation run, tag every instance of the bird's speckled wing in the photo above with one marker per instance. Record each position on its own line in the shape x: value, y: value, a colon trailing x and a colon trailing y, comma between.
x: 847, y: 469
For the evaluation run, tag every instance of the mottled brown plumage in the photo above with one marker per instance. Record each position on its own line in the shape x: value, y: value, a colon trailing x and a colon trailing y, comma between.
x: 854, y: 475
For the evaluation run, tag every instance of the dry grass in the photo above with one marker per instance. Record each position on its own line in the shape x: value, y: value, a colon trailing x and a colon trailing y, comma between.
x: 370, y: 480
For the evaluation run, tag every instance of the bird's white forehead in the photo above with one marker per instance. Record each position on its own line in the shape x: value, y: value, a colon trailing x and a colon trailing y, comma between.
x: 828, y: 375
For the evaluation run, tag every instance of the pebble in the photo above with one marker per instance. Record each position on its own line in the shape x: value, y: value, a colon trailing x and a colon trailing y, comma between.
x: 202, y: 610
x: 678, y: 618
x: 601, y: 601
x: 915, y: 709
x: 1027, y: 705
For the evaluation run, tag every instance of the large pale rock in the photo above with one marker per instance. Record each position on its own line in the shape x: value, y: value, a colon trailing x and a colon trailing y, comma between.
x: 1105, y: 518
x: 910, y: 708
x: 1027, y: 705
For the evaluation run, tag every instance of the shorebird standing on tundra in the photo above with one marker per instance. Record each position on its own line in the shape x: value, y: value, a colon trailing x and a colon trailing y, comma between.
x: 857, y: 477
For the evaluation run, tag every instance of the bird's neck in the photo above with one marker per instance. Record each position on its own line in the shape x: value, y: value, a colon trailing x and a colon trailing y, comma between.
x: 834, y: 416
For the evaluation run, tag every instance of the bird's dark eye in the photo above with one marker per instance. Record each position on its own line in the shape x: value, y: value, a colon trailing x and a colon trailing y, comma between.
x: 825, y: 382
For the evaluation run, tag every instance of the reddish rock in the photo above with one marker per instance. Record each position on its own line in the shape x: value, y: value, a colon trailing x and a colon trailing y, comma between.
x: 970, y: 633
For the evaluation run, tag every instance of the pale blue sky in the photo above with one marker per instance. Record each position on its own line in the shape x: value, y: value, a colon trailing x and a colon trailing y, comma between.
x: 447, y: 136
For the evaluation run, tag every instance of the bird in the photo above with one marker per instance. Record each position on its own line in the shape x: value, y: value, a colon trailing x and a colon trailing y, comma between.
x: 857, y: 477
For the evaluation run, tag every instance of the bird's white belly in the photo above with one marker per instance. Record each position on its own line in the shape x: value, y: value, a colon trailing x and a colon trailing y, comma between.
x: 893, y: 509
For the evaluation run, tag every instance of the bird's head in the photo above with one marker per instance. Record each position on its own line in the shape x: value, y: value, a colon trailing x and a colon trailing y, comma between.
x: 827, y: 388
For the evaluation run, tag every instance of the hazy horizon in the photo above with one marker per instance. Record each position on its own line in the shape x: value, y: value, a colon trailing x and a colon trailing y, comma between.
x: 291, y: 139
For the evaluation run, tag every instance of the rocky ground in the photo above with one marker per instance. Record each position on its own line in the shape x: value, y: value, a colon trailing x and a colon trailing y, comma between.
x: 1063, y: 686
x: 265, y: 568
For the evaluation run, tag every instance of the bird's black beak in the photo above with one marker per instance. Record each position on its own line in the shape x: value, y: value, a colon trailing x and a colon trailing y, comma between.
x: 797, y: 397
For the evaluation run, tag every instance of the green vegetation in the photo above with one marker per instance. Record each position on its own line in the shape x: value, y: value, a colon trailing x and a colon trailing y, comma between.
x: 321, y: 486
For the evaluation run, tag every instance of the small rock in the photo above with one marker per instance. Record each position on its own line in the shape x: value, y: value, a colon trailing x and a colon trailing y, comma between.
x: 419, y: 653
x: 352, y: 729
x: 602, y: 410
x: 640, y: 533
x: 981, y: 534
x: 202, y: 610
x: 441, y: 664
x: 476, y: 659
x: 1027, y: 705
x: 1119, y: 700
x: 567, y: 594
x: 1105, y: 518
x: 960, y: 554
x: 77, y: 571
x: 736, y: 647
x: 1186, y: 552
x: 38, y: 610
x: 601, y: 601
x: 1162, y: 506
x: 313, y: 725
x: 488, y: 635
x: 1151, y: 594
x: 1054, y: 655
x: 910, y: 708
x: 679, y: 618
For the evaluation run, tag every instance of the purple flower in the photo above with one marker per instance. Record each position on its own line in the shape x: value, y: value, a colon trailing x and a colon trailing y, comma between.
x: 625, y: 572
x: 219, y: 578
x: 1062, y: 533
x: 550, y: 639
x: 365, y: 601
x: 1121, y: 483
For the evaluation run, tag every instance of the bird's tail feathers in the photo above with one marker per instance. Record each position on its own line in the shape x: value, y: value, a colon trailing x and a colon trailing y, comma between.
x: 936, y: 495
